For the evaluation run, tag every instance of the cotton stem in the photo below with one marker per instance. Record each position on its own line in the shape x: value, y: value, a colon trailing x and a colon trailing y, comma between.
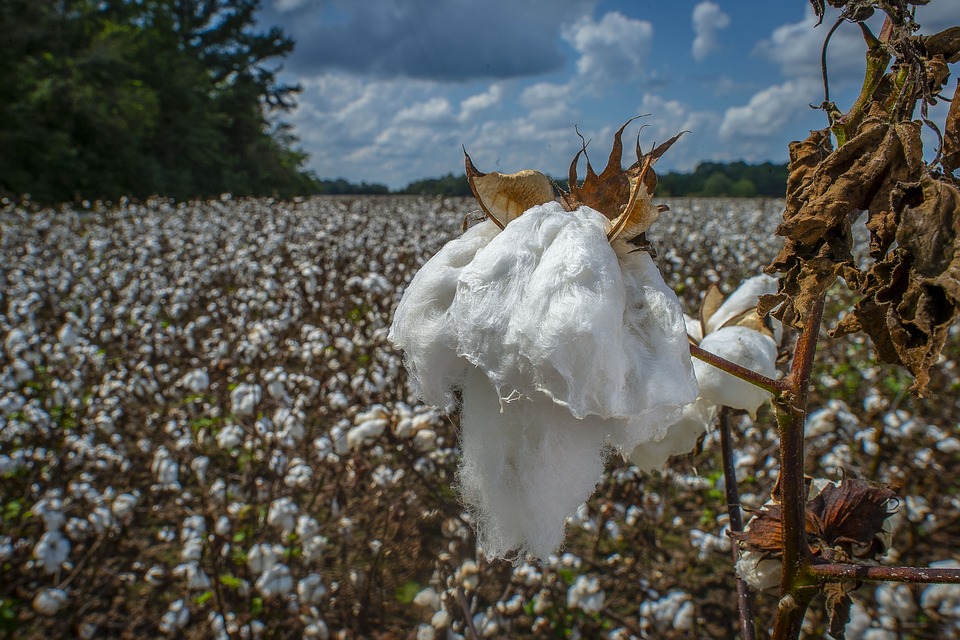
x: 791, y: 415
x: 744, y: 600
x: 833, y: 572
x: 734, y: 369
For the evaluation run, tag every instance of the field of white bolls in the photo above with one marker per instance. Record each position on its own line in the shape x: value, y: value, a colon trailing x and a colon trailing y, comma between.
x: 204, y: 432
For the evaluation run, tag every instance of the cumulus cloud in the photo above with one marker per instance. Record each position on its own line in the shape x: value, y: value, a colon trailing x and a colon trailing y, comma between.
x: 446, y: 41
x: 769, y: 110
x: 796, y: 47
x: 611, y: 51
x: 708, y: 20
x: 476, y: 103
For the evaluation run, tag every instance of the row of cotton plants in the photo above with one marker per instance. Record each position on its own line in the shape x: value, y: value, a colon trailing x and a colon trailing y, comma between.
x: 206, y: 432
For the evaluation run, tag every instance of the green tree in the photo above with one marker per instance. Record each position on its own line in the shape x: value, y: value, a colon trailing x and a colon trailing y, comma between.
x: 136, y: 97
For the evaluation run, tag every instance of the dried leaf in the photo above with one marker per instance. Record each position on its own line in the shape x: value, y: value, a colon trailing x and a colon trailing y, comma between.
x: 504, y: 197
x: 765, y: 532
x: 852, y: 512
x: 912, y: 296
x: 951, y: 134
x: 838, y: 604
x: 945, y: 43
x: 841, y: 521
x: 858, y: 176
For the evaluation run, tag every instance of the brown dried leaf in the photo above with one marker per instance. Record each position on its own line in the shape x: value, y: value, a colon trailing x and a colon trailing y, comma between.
x: 852, y: 512
x: 946, y: 44
x: 912, y: 296
x: 838, y: 604
x: 858, y: 176
x: 951, y: 134
x: 765, y: 532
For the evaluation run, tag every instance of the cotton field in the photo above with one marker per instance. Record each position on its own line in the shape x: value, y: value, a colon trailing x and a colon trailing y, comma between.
x: 205, y: 433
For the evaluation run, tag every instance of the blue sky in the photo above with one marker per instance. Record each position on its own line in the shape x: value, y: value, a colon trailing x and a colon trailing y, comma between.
x: 392, y: 88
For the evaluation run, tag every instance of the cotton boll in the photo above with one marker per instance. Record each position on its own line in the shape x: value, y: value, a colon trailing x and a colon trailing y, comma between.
x: 742, y: 346
x: 743, y: 299
x: 52, y: 550
x: 244, y: 399
x: 680, y: 438
x: 422, y: 324
x: 762, y: 574
x: 526, y: 469
x: 49, y: 601
x: 311, y: 589
x: 282, y: 514
x: 548, y: 306
x: 276, y: 580
x: 586, y: 594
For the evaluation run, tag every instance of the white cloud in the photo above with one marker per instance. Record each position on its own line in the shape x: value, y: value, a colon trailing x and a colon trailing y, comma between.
x: 476, y: 103
x: 708, y: 19
x: 769, y: 111
x: 433, y: 109
x: 611, y: 51
x: 796, y: 48
x: 670, y: 117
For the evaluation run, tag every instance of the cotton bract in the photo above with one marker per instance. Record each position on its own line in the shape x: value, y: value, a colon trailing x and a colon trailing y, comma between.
x: 563, y: 348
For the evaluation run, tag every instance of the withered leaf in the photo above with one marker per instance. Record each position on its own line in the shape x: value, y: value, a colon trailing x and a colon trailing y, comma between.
x: 838, y: 604
x: 765, y: 532
x: 852, y: 512
x: 912, y: 296
x: 848, y: 516
x: 951, y: 135
x: 860, y: 175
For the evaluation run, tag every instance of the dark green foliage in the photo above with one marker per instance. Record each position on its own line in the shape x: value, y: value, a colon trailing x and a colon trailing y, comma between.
x: 736, y: 179
x: 168, y: 97
x: 448, y: 185
x: 341, y: 186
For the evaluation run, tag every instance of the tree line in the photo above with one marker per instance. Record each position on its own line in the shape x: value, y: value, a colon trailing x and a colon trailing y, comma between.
x: 709, y: 179
x: 102, y: 98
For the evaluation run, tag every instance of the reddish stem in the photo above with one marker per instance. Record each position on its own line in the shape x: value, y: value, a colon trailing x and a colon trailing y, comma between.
x: 839, y: 571
x: 791, y: 414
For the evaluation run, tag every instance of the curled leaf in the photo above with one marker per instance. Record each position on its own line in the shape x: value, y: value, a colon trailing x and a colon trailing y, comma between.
x: 912, y: 295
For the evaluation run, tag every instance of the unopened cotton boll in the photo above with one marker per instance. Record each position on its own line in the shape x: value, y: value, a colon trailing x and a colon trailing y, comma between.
x: 564, y: 347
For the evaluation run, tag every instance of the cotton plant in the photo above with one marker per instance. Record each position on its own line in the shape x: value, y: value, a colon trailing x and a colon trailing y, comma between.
x: 552, y: 329
x: 732, y: 329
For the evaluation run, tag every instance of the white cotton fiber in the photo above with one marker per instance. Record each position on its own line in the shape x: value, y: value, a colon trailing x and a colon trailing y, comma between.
x: 423, y: 326
x: 525, y: 469
x: 680, y: 438
x: 745, y: 347
x: 548, y: 306
x: 564, y: 350
x: 745, y: 298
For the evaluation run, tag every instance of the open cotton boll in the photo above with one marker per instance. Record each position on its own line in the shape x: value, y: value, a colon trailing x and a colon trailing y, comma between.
x: 682, y: 436
x: 549, y: 306
x: 743, y: 346
x: 564, y: 349
x: 743, y: 299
